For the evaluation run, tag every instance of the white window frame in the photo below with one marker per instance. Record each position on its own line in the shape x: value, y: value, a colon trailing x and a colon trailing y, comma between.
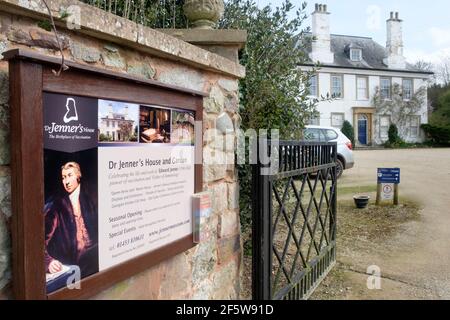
x: 389, y: 97
x: 311, y: 92
x: 383, y: 135
x: 314, y: 121
x: 366, y: 89
x: 334, y: 125
x: 357, y: 52
x: 412, y: 89
x: 341, y: 77
x: 416, y: 132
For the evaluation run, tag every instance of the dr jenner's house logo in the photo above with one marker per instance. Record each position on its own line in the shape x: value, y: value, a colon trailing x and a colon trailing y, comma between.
x: 71, y: 114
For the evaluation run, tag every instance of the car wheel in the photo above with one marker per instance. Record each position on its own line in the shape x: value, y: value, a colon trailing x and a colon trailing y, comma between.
x: 339, y: 168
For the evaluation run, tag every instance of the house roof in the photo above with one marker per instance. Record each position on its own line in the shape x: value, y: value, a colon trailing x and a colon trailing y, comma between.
x: 373, y: 54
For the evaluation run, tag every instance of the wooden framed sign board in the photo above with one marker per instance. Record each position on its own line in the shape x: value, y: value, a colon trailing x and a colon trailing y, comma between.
x: 104, y: 166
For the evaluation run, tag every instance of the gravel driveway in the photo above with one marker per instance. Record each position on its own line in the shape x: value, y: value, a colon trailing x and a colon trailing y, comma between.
x: 418, y: 266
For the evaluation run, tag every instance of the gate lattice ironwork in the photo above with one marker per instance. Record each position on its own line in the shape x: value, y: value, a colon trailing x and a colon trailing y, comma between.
x: 294, y: 220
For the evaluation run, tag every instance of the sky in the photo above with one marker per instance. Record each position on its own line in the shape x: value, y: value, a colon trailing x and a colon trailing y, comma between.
x: 426, y: 26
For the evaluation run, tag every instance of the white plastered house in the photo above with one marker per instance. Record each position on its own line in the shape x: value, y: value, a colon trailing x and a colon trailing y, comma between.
x: 352, y: 69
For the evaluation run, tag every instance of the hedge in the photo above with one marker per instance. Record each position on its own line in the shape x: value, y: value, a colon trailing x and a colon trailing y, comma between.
x: 437, y: 134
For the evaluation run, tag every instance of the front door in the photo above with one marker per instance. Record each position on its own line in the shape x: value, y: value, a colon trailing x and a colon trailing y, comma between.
x: 362, y: 129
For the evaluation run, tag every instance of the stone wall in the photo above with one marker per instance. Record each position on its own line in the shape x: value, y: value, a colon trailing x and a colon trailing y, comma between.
x: 212, y: 269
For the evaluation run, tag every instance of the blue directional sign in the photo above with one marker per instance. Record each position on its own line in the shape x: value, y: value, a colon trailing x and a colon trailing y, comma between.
x: 389, y: 175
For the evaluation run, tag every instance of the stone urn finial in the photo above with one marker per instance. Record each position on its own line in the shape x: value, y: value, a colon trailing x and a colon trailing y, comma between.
x: 203, y: 14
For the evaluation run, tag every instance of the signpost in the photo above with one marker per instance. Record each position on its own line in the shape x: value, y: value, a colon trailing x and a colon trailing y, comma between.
x: 388, y: 182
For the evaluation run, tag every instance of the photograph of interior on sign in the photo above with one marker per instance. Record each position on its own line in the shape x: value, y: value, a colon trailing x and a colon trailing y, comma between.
x: 118, y: 183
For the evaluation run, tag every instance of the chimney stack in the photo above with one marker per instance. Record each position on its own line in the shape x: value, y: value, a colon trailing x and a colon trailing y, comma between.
x: 394, y: 44
x: 110, y: 112
x: 321, y: 8
x: 321, y: 44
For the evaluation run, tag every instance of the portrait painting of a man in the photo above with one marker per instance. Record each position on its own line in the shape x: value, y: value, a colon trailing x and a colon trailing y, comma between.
x: 71, y: 226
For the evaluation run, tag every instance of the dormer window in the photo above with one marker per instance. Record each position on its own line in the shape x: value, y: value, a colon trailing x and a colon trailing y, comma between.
x: 356, y: 55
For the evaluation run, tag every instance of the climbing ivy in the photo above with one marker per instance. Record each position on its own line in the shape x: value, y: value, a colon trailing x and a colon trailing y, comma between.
x: 399, y: 109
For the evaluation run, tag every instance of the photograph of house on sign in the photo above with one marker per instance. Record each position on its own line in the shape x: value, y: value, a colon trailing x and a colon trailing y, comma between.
x: 118, y: 122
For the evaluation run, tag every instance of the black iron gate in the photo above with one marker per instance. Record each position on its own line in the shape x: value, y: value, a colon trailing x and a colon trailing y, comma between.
x: 294, y: 219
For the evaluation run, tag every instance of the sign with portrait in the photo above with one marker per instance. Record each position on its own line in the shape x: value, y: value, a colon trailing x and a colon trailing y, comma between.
x: 119, y: 178
x: 104, y: 166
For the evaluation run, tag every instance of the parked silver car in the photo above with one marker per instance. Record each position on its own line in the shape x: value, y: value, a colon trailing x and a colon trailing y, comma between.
x: 330, y: 134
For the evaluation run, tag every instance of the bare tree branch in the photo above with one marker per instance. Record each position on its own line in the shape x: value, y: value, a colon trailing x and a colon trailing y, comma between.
x: 63, y: 66
x: 424, y: 65
x: 443, y: 70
